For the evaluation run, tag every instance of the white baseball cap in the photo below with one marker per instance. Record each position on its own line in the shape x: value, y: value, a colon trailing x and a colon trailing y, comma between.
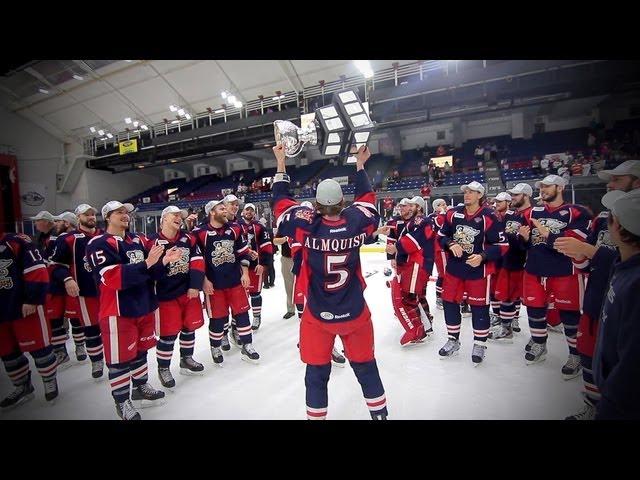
x: 84, y: 208
x: 209, y: 206
x: 503, y: 197
x: 419, y: 201
x: 630, y: 167
x: 626, y: 208
x: 44, y: 215
x: 115, y: 205
x: 307, y: 204
x: 437, y: 202
x: 521, y: 188
x: 174, y: 209
x: 552, y: 180
x: 404, y: 201
x: 68, y: 217
x: 329, y: 192
x: 230, y: 198
x: 250, y: 205
x: 475, y: 186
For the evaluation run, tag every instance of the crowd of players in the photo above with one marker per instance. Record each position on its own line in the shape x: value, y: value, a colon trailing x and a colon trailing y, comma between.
x: 124, y: 293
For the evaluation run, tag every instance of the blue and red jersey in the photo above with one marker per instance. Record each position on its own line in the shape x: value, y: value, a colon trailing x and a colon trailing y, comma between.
x: 416, y: 243
x: 259, y: 241
x: 516, y: 256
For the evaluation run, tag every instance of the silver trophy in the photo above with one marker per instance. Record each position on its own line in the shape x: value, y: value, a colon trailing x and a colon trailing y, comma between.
x: 294, y: 138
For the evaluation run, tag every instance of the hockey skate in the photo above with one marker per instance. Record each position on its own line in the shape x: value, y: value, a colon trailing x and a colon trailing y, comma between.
x: 225, y: 343
x: 494, y: 319
x: 337, y: 359
x: 62, y: 359
x: 166, y: 379
x: 50, y: 390
x: 449, y: 349
x: 572, y: 368
x: 235, y: 337
x: 501, y: 334
x: 527, y: 347
x: 189, y: 367
x: 256, y: 323
x: 378, y: 416
x: 588, y: 412
x: 216, y: 354
x: 97, y: 369
x: 439, y: 304
x: 515, y: 325
x: 477, y: 354
x: 126, y: 411
x: 145, y: 396
x: 537, y: 353
x: 288, y: 315
x: 249, y: 354
x: 22, y: 394
x: 81, y: 352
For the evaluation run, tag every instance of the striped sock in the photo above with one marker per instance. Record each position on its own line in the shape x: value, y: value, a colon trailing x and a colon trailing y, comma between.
x: 119, y: 381
x: 480, y: 321
x: 17, y: 367
x: 570, y: 320
x: 95, y: 350
x: 538, y: 324
x: 216, y: 331
x: 138, y: 369
x: 187, y: 343
x: 46, y: 362
x: 164, y: 350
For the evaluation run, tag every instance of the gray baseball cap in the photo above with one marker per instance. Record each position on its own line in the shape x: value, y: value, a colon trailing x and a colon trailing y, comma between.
x: 44, y: 215
x: 329, y: 193
x: 626, y: 208
x: 630, y: 167
x: 521, y: 188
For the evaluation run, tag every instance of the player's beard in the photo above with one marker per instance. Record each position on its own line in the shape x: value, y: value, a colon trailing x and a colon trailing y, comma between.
x: 89, y: 224
x: 220, y: 217
x: 515, y: 204
x: 249, y: 217
x: 551, y: 199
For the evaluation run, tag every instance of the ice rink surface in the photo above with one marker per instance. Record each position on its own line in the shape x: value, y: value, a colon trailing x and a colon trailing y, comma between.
x: 418, y: 384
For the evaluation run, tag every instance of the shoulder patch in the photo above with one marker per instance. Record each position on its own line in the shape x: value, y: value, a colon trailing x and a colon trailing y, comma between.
x: 458, y: 215
x: 537, y: 209
x: 305, y: 214
x: 24, y: 237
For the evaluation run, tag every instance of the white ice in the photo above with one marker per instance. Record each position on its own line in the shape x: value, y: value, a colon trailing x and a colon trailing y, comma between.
x: 418, y: 384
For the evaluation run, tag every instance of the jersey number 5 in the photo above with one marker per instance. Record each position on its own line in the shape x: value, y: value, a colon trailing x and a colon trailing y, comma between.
x: 332, y: 267
x: 98, y: 258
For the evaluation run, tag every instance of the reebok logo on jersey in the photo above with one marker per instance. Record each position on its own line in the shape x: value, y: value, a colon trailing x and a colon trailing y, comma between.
x: 336, y: 230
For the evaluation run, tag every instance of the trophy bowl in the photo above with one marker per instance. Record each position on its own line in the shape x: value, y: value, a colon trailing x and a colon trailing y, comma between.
x: 294, y: 138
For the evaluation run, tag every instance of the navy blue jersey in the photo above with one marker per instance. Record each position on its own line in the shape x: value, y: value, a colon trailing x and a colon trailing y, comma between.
x: 56, y: 286
x: 416, y: 242
x: 225, y: 251
x: 125, y: 284
x: 564, y: 221
x: 69, y: 261
x: 330, y: 270
x: 183, y: 274
x: 23, y: 275
x: 259, y: 241
x: 616, y: 363
x: 477, y: 234
x: 397, y: 224
x: 599, y: 232
x: 516, y: 256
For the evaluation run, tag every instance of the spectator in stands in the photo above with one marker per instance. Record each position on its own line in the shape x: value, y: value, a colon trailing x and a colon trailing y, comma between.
x: 487, y: 152
x: 479, y: 153
x: 388, y: 208
x: 598, y: 165
x: 423, y: 168
x: 586, y: 168
x: 441, y: 151
x: 576, y: 168
x: 562, y: 169
x: 494, y: 151
x: 535, y: 165
x: 544, y: 165
x: 557, y: 163
x: 447, y: 168
x: 604, y: 150
x: 396, y: 175
x: 425, y: 193
x: 591, y: 140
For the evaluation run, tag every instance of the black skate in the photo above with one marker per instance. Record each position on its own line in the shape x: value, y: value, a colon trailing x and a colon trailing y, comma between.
x: 50, y: 389
x: 146, y: 396
x: 166, y: 379
x: 216, y: 354
x: 288, y: 315
x: 449, y: 349
x: 97, y: 369
x: 81, y: 352
x: 378, y: 416
x: 477, y: 354
x: 537, y: 353
x: 249, y: 354
x: 126, y: 411
x: 527, y: 347
x: 588, y: 412
x: 515, y: 325
x: 22, y: 394
x: 188, y: 366
x: 337, y: 359
x: 256, y: 323
x: 62, y: 359
x: 494, y: 319
x: 572, y: 368
x: 225, y: 343
x: 502, y: 334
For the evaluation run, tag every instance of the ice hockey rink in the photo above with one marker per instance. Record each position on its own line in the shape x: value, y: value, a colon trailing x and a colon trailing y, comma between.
x: 418, y: 384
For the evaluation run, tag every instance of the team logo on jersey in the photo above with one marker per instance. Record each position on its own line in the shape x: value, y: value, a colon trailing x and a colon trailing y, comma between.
x: 554, y: 226
x: 327, y: 315
x: 27, y: 239
x: 477, y: 219
x: 87, y: 267
x: 604, y: 240
x: 222, y: 253
x: 611, y: 295
x: 250, y: 237
x: 465, y: 237
x: 5, y: 280
x: 512, y: 227
x: 305, y: 214
x: 135, y: 256
x: 564, y: 212
x: 182, y: 265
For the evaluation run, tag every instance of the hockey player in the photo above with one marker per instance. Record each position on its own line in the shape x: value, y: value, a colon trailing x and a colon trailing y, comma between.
x: 226, y: 255
x: 59, y: 303
x: 548, y: 272
x: 261, y: 253
x: 232, y: 205
x: 23, y: 326
x: 500, y: 208
x: 125, y: 274
x: 45, y: 226
x: 415, y: 252
x: 440, y: 257
x: 471, y: 233
x: 178, y: 292
x: 330, y: 238
x: 508, y: 289
x: 71, y: 268
x: 616, y: 360
x: 397, y: 224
